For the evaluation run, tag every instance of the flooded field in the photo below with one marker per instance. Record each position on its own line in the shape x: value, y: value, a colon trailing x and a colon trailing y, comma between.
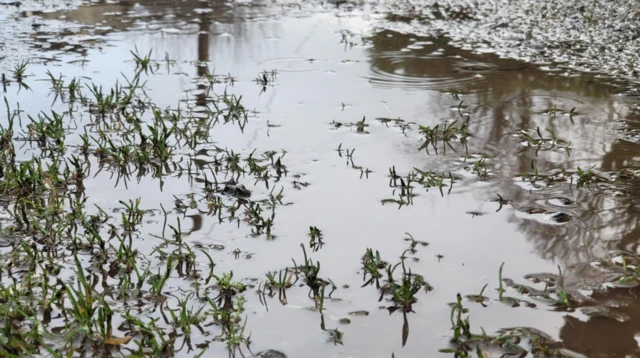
x: 201, y: 179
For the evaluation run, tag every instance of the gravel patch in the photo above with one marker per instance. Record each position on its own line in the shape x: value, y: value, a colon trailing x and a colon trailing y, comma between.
x: 600, y: 36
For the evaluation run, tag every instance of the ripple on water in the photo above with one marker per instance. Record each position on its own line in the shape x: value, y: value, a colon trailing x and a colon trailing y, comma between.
x: 432, y: 71
x: 292, y: 64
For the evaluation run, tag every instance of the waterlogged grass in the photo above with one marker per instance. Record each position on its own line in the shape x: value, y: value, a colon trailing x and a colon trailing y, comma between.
x: 320, y: 290
x: 552, y: 142
x: 399, y: 290
x: 55, y: 234
x: 456, y: 131
x: 464, y: 342
x: 578, y: 178
x: 77, y: 281
x: 405, y: 190
x: 266, y: 79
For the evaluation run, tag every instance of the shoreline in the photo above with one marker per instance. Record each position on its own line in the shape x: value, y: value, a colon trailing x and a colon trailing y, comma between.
x: 593, y: 37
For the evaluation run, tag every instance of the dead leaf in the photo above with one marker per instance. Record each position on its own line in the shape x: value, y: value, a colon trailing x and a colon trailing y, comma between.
x: 115, y: 341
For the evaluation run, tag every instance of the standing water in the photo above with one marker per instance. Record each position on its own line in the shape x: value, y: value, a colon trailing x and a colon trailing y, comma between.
x: 305, y: 180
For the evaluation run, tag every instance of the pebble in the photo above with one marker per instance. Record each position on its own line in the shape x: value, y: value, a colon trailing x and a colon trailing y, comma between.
x: 271, y: 354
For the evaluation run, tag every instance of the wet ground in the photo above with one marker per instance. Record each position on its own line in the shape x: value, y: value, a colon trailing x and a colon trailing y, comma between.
x: 248, y: 130
x: 591, y: 35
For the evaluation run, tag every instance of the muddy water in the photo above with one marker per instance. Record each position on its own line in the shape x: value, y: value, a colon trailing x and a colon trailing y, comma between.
x: 335, y: 67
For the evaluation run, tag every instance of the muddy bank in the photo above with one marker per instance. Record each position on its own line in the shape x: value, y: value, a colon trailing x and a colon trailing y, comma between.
x: 599, y: 36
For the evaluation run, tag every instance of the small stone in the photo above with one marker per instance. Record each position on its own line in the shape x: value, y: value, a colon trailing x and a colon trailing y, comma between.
x: 272, y: 354
x: 239, y: 191
x: 563, y: 201
x: 535, y: 211
x: 560, y: 217
x: 359, y: 313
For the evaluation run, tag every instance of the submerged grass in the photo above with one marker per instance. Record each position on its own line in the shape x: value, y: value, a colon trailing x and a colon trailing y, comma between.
x: 76, y: 280
x: 427, y: 179
x: 455, y: 131
x: 52, y: 225
x: 266, y: 79
x: 399, y: 292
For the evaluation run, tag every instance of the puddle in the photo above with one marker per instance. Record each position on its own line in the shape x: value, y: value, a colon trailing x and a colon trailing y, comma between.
x: 248, y: 130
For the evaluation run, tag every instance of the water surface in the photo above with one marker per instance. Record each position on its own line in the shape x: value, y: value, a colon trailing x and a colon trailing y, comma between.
x: 334, y: 68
